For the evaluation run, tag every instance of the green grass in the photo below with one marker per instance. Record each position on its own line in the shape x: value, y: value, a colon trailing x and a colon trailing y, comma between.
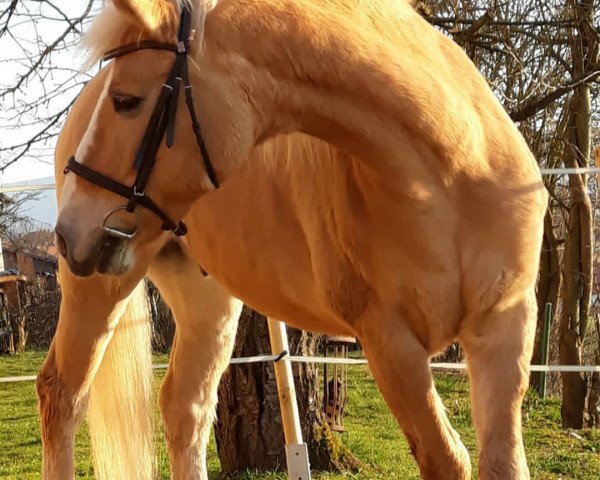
x: 371, y: 434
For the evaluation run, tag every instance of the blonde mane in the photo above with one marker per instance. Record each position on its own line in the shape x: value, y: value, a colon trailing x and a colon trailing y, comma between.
x: 112, y: 27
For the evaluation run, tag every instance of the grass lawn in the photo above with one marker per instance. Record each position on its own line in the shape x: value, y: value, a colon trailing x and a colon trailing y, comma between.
x: 371, y: 434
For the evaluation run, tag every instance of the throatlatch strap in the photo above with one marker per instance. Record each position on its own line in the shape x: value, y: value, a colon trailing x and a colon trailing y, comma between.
x: 189, y: 100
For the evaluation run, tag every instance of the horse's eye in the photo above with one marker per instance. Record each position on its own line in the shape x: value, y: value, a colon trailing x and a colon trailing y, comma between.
x: 125, y: 103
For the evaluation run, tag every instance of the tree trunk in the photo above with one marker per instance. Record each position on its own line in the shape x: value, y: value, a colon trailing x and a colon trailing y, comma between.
x: 594, y: 402
x: 578, y: 257
x: 548, y: 289
x: 248, y: 431
x: 20, y: 332
x: 577, y: 269
x: 163, y: 326
x: 7, y: 344
x: 594, y: 398
x: 18, y: 318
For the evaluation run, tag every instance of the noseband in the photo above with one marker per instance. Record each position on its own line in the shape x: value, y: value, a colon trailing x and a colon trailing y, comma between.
x: 162, y: 122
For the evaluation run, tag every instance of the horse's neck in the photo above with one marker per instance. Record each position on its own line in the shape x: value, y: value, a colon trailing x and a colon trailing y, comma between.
x: 327, y: 74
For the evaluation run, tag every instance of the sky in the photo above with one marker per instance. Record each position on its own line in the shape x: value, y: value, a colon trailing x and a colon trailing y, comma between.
x: 34, y: 26
x: 18, y: 51
x: 27, y: 170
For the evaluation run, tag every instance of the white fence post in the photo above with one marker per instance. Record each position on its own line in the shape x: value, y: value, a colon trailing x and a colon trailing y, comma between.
x: 295, y: 449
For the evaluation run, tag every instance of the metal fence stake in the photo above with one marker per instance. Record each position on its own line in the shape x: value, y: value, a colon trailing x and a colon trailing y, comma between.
x: 545, y: 346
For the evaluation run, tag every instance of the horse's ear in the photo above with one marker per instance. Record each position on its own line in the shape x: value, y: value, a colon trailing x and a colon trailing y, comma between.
x: 153, y: 15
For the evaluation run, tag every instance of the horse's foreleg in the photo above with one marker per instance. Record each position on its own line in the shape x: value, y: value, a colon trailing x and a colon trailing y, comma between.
x: 498, y: 347
x: 89, y: 311
x: 400, y: 365
x: 206, y: 316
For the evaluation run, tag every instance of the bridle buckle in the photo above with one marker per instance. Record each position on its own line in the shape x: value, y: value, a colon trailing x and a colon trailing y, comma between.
x: 137, y: 193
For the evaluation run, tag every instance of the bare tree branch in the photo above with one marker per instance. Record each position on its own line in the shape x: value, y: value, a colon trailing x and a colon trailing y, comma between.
x: 539, y: 104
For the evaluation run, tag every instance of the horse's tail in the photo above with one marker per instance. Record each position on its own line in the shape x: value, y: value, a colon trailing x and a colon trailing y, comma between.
x: 120, y: 405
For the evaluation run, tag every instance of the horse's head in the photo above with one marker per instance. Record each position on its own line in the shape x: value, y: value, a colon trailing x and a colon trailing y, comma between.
x: 143, y: 161
x: 258, y: 68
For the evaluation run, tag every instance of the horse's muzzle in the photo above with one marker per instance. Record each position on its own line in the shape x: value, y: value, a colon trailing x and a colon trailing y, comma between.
x: 103, y: 251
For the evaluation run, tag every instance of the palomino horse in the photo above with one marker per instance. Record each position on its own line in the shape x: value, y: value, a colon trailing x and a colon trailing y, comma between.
x: 419, y: 225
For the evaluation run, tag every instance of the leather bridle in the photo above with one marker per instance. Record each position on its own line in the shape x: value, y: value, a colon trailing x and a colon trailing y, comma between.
x: 161, y: 124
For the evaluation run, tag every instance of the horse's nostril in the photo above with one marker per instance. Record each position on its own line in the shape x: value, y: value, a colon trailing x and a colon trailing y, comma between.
x: 61, y: 244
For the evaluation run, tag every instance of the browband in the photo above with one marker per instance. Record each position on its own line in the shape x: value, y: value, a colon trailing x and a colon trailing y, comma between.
x: 141, y: 45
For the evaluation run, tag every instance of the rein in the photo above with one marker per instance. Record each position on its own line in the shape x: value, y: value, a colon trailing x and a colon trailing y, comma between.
x: 161, y: 124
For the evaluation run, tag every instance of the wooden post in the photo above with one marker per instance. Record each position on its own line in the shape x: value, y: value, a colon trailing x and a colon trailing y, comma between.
x: 296, y: 450
x: 545, y: 346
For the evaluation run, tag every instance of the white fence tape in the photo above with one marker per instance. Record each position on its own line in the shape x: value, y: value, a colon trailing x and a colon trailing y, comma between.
x: 28, y: 378
x: 533, y: 368
x: 353, y: 361
x: 569, y: 171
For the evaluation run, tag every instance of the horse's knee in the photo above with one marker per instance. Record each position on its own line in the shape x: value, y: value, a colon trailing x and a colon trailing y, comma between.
x: 58, y: 404
x: 179, y: 415
x: 54, y: 402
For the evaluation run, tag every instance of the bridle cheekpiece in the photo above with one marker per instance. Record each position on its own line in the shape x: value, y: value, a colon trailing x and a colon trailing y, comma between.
x: 161, y: 124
